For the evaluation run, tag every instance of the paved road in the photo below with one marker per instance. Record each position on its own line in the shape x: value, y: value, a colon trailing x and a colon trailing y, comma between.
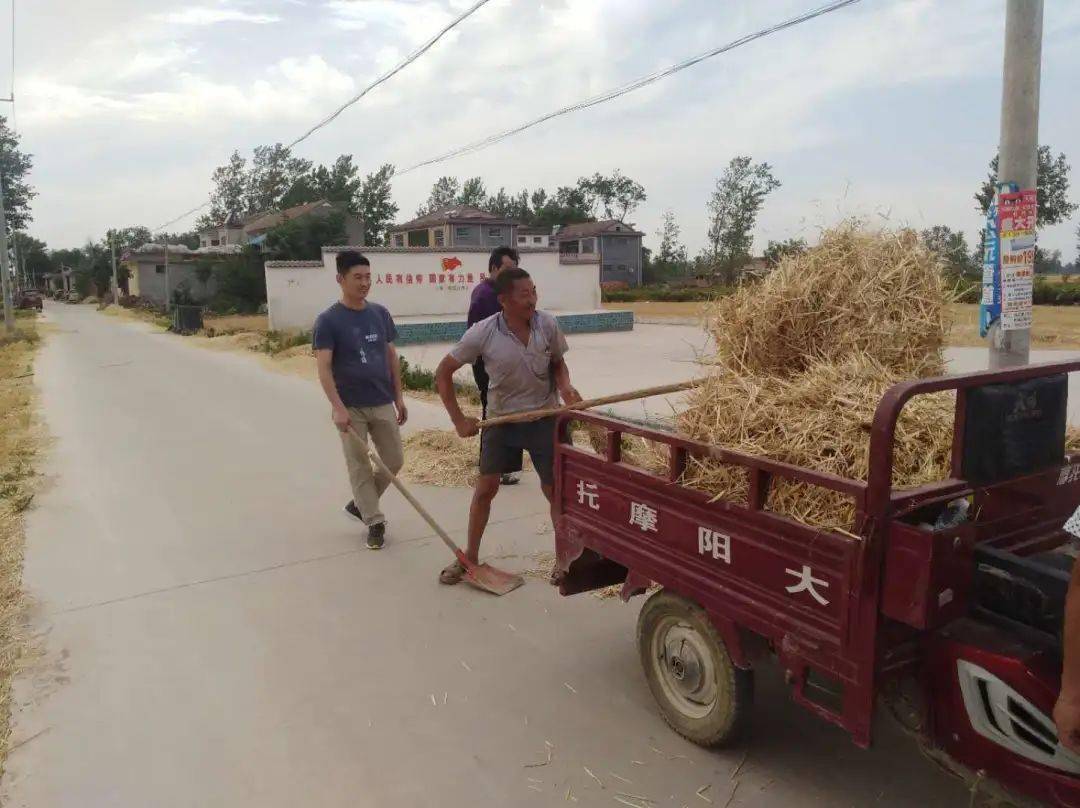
x: 212, y: 634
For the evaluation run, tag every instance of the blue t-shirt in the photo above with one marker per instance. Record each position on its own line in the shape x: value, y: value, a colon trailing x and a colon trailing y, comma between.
x: 358, y: 339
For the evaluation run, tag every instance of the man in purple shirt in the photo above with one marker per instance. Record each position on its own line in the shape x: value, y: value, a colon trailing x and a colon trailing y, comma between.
x: 484, y: 304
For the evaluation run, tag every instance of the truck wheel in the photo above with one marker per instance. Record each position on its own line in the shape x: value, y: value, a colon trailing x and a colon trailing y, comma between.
x: 702, y: 695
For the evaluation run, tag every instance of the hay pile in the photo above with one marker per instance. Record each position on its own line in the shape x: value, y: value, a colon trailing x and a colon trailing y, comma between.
x: 803, y: 357
x: 440, y: 457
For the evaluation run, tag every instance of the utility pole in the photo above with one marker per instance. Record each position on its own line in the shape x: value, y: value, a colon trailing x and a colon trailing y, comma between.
x: 1018, y: 152
x: 115, y: 284
x: 168, y: 297
x: 5, y: 270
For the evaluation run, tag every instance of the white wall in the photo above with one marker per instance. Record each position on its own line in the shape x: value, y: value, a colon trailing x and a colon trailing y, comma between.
x: 296, y: 292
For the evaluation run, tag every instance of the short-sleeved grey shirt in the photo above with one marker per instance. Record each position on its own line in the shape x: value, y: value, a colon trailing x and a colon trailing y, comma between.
x: 521, y: 377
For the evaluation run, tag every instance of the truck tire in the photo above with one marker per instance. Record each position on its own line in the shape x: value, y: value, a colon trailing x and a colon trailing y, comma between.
x: 701, y: 694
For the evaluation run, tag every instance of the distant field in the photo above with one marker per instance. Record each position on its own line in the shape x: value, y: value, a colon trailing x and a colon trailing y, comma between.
x: 1054, y: 326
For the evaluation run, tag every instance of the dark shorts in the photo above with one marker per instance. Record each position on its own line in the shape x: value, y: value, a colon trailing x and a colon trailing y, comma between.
x: 501, y: 445
x: 513, y: 463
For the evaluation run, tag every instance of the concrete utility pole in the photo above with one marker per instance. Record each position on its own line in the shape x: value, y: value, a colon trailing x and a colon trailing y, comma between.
x: 5, y: 270
x: 1018, y: 153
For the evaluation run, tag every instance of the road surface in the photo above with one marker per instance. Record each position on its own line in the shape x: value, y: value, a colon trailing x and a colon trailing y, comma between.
x: 213, y: 634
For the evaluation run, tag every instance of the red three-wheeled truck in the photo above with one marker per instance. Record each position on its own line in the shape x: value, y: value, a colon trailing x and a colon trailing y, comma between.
x: 954, y: 591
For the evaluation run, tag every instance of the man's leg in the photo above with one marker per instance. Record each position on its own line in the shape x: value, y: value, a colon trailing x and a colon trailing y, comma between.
x: 487, y: 486
x: 385, y: 434
x: 361, y: 475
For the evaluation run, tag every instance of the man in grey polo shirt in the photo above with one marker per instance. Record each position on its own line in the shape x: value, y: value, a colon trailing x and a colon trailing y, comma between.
x: 522, y: 349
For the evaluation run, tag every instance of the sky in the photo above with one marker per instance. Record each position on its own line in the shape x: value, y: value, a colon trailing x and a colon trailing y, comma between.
x: 887, y: 110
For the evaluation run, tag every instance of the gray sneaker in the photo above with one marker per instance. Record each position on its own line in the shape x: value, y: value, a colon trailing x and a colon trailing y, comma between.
x: 376, y: 536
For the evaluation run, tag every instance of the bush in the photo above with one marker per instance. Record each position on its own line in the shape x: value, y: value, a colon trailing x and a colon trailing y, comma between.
x: 413, y: 378
x: 275, y: 342
x: 664, y: 295
x: 241, y: 284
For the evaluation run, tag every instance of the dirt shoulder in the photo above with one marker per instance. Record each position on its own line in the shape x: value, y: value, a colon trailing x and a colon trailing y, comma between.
x: 21, y: 439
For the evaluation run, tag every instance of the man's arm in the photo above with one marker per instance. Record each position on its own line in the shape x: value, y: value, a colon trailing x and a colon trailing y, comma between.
x: 395, y: 376
x: 1067, y: 709
x: 561, y: 373
x: 339, y: 414
x: 444, y: 382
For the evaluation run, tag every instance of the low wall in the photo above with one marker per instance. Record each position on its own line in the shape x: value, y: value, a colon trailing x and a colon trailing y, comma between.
x: 420, y: 281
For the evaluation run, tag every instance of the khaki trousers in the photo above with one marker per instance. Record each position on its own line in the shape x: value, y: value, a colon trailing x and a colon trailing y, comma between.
x: 380, y: 424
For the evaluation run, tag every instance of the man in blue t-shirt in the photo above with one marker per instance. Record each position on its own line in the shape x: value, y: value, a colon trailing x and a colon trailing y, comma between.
x: 359, y: 372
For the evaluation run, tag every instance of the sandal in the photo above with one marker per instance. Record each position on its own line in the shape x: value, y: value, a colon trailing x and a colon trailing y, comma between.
x: 452, y: 574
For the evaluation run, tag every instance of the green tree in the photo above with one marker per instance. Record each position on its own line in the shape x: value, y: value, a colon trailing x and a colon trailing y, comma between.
x: 1052, y: 187
x: 733, y: 210
x: 375, y: 204
x: 473, y: 193
x: 953, y: 248
x: 34, y: 257
x: 617, y: 196
x: 229, y: 192
x: 15, y: 165
x: 190, y: 239
x: 775, y: 251
x: 340, y: 184
x: 509, y: 206
x: 302, y: 239
x: 672, y: 250
x: 1048, y: 262
x: 274, y: 171
x: 444, y: 192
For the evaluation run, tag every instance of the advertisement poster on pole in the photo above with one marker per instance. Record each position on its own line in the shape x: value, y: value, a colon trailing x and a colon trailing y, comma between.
x: 990, y: 304
x: 1016, y: 247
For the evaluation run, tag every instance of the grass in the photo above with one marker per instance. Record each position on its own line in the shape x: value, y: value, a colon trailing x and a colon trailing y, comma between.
x: 219, y: 325
x: 19, y: 446
x: 1052, y: 327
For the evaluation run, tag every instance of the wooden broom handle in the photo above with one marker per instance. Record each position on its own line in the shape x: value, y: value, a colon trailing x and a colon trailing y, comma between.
x: 533, y: 415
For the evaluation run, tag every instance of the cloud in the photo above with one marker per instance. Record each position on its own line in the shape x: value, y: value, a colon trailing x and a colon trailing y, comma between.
x: 290, y: 90
x: 147, y: 61
x: 206, y: 15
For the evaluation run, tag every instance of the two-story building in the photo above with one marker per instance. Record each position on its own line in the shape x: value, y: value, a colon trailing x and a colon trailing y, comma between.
x: 455, y: 226
x: 615, y: 246
x: 534, y: 237
x: 228, y: 234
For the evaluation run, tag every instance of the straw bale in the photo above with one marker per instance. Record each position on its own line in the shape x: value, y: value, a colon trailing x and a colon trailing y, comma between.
x: 802, y: 359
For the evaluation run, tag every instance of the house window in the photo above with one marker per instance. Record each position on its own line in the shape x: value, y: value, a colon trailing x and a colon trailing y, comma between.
x: 461, y: 233
x: 160, y: 269
x: 537, y: 240
x: 588, y: 245
x: 622, y: 267
x: 521, y: 239
x: 440, y: 237
x: 494, y: 232
x: 399, y: 240
x: 215, y: 242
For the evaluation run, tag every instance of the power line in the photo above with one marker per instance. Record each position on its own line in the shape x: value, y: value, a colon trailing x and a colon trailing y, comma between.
x: 412, y: 57
x: 637, y: 84
x: 408, y: 60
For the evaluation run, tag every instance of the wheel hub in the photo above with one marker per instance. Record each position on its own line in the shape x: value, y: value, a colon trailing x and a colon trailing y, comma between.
x: 686, y: 668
